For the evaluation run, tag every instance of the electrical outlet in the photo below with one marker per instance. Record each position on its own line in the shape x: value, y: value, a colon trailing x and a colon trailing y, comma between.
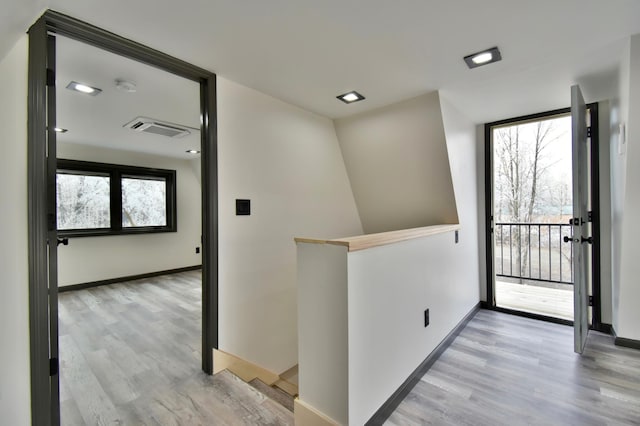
x: 426, y: 317
x: 197, y: 250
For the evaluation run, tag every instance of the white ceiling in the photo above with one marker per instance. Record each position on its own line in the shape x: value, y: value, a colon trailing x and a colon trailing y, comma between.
x: 307, y: 52
x: 98, y: 120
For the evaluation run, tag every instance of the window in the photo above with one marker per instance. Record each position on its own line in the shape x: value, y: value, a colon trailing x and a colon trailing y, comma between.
x: 109, y: 199
x: 83, y: 201
x: 144, y: 202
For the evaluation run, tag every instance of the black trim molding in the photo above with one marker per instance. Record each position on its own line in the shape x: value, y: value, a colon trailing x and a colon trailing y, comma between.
x: 50, y: 24
x: 595, y: 173
x: 488, y: 213
x: 530, y: 315
x: 624, y: 342
x: 41, y: 393
x: 125, y: 279
x: 68, y: 26
x: 604, y: 328
x: 405, y: 388
x: 627, y: 343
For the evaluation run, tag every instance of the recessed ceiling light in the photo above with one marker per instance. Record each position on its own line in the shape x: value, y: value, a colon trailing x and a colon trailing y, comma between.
x: 193, y: 151
x: 350, y: 97
x: 485, y: 57
x: 83, y: 88
x: 60, y: 130
x: 482, y: 58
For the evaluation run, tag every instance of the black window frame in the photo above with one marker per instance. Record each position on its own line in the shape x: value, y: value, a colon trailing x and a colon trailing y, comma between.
x: 116, y: 173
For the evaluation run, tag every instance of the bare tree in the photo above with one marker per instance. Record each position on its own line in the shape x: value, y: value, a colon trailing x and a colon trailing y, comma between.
x: 520, y: 168
x: 82, y: 201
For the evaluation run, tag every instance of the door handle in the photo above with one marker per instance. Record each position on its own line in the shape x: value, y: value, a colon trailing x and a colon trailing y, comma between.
x: 63, y: 241
x: 568, y: 239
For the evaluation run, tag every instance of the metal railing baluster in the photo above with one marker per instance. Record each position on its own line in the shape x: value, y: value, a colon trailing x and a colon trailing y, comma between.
x: 501, y: 249
x: 549, y: 238
x: 523, y: 231
x: 539, y: 253
x: 560, y: 251
x: 529, y: 244
x: 510, y: 252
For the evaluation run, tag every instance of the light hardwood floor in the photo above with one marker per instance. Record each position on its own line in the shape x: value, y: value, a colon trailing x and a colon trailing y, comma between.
x: 130, y: 355
x: 509, y: 370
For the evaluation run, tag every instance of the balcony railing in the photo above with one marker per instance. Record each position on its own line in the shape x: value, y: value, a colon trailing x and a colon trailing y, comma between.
x: 534, y: 251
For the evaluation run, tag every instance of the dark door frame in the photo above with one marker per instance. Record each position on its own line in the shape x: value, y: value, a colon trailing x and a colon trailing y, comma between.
x: 43, y: 397
x: 596, y: 320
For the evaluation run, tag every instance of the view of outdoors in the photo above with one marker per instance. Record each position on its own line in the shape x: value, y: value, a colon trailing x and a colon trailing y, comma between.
x: 143, y: 202
x: 83, y: 202
x: 532, y: 209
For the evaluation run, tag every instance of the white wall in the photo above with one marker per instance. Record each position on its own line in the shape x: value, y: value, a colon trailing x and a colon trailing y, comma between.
x: 628, y: 315
x: 605, y: 210
x: 14, y: 303
x: 404, y: 279
x: 288, y: 162
x: 88, y: 259
x: 323, y: 338
x: 397, y: 162
x: 362, y: 318
x: 619, y: 114
x: 464, y: 155
x: 389, y: 288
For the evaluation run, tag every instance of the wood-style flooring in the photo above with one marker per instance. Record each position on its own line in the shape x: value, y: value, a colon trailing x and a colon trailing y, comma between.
x: 130, y: 355
x: 508, y: 370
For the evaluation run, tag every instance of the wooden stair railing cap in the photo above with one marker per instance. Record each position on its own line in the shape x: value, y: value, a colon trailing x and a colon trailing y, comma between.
x: 362, y: 242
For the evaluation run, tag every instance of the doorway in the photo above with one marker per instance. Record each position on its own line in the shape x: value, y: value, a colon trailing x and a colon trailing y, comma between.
x: 43, y: 235
x: 128, y: 203
x: 529, y: 207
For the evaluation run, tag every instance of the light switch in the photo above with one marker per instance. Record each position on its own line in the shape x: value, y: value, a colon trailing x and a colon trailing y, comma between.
x: 243, y: 207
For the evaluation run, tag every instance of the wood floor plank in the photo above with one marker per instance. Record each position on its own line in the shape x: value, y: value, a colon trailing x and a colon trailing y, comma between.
x: 117, y: 383
x: 72, y: 415
x: 93, y: 403
x: 508, y: 370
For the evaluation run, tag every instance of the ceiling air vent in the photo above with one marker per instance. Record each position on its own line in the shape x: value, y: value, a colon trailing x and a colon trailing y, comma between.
x: 157, y: 127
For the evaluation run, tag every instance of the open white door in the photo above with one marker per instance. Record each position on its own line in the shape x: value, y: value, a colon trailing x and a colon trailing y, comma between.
x: 580, y: 220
